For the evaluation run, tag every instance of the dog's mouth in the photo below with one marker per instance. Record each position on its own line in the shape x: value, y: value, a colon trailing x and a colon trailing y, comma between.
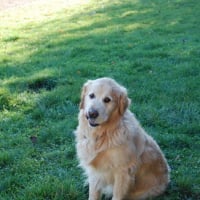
x: 92, y: 122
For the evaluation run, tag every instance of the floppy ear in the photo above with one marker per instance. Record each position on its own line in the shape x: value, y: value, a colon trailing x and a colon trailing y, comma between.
x: 84, y: 89
x: 124, y: 101
x: 81, y: 105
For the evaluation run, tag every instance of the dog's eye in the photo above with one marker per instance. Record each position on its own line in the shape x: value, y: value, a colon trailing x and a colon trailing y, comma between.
x: 106, y: 100
x: 92, y: 96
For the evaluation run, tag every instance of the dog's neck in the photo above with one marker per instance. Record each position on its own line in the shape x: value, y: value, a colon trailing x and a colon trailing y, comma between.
x: 105, y: 135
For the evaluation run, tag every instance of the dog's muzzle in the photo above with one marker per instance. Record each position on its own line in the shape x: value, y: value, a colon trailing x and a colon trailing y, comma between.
x: 91, y: 117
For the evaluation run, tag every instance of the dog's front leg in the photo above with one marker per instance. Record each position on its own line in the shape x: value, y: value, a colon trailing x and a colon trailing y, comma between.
x: 121, y: 185
x: 94, y: 193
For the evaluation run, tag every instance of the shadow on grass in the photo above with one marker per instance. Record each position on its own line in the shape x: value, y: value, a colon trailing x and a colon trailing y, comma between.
x: 117, y: 32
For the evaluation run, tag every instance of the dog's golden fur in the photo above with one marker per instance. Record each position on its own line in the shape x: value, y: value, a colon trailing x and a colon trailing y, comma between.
x: 118, y: 156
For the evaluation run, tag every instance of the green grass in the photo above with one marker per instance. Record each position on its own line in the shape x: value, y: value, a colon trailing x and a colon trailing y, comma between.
x: 49, y: 50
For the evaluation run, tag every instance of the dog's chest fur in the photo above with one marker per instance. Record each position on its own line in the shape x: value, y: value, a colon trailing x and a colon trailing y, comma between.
x: 104, y: 150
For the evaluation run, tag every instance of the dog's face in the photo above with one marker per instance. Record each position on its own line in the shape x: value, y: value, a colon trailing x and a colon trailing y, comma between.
x: 101, y: 98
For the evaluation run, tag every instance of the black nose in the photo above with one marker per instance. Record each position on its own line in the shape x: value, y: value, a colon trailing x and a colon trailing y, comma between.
x: 93, y: 114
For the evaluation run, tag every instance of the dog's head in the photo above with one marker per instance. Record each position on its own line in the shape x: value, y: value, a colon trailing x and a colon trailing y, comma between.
x: 102, y: 100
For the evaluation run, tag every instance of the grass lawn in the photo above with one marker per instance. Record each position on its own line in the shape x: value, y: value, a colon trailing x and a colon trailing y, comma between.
x: 48, y: 50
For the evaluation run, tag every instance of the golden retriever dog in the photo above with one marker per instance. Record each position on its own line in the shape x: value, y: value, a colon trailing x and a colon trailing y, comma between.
x: 119, y: 158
